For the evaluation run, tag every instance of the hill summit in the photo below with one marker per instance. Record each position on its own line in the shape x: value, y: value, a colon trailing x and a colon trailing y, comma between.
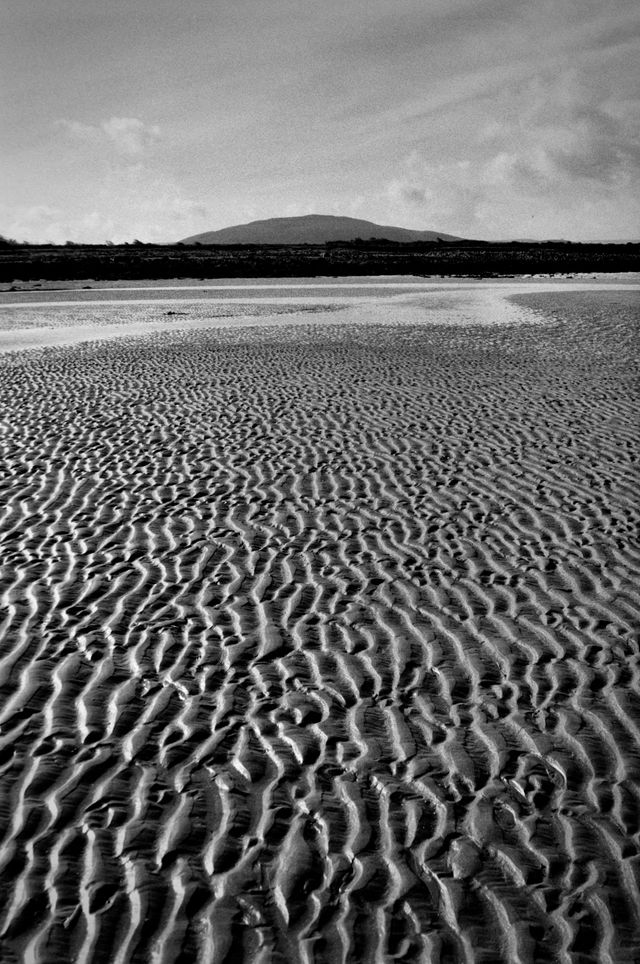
x: 311, y: 229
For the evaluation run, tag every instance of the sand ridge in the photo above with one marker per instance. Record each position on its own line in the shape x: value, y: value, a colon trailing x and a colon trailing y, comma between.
x: 320, y: 642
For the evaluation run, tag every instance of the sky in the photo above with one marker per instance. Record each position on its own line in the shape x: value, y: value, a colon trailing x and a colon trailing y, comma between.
x: 158, y: 119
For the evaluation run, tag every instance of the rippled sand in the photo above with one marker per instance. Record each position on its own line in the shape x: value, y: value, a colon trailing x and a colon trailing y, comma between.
x: 320, y: 637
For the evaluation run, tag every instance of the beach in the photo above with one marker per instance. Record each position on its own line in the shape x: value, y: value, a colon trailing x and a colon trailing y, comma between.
x: 319, y: 627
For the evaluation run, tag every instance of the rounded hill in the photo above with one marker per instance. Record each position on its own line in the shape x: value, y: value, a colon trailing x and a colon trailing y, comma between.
x: 312, y: 229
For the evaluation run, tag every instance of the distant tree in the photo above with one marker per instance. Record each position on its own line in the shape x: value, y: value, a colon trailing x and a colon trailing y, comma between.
x: 7, y: 242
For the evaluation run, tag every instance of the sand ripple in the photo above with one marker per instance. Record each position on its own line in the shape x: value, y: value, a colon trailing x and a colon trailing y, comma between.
x: 320, y: 644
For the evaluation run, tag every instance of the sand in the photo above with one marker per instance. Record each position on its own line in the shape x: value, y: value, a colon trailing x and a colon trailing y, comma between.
x: 320, y: 631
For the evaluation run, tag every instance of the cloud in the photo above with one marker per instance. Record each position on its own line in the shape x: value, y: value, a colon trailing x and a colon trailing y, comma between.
x: 49, y: 223
x: 552, y: 151
x: 129, y: 203
x: 128, y: 136
x: 568, y: 129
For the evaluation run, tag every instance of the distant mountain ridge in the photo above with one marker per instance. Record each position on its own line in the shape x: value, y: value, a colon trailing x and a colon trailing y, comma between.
x: 312, y: 229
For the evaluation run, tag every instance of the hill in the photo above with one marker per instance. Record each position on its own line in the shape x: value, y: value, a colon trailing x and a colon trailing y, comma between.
x: 311, y: 229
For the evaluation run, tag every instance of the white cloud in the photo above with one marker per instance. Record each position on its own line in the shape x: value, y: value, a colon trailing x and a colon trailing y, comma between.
x: 80, y: 132
x: 553, y: 159
x: 128, y: 136
x: 130, y: 203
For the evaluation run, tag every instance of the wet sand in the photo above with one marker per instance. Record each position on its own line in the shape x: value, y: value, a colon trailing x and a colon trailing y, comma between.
x: 320, y: 631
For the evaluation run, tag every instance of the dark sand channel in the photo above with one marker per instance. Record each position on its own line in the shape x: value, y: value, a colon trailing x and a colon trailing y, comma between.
x: 319, y: 629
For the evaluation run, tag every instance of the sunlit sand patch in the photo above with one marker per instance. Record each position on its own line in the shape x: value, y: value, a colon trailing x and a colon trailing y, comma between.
x: 70, y: 317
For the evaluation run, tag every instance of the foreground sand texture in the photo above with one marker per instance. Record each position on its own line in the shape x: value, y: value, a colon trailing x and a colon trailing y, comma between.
x: 320, y: 643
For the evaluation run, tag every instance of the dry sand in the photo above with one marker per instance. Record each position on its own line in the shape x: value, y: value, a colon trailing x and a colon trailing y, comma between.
x: 320, y: 634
